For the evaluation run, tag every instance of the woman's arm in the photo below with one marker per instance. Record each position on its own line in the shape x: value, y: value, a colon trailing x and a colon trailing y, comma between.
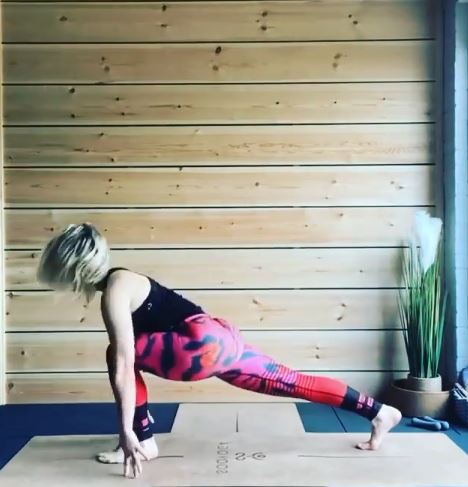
x: 115, y: 308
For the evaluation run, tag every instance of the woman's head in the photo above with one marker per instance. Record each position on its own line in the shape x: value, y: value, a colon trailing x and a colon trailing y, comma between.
x: 76, y: 259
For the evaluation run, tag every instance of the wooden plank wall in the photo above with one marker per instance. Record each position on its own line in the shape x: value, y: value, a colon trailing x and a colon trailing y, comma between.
x: 264, y: 157
x: 2, y: 237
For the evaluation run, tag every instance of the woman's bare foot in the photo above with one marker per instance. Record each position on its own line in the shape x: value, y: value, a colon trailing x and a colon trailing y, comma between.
x: 387, y: 419
x: 117, y: 456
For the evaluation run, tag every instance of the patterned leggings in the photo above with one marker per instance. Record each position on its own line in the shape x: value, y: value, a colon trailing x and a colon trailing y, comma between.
x: 204, y: 346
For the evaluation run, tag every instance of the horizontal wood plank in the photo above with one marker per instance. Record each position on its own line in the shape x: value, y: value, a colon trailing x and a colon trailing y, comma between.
x: 219, y: 63
x: 249, y: 310
x: 246, y: 145
x: 240, y: 268
x: 304, y: 350
x: 216, y: 21
x: 175, y: 228
x: 219, y: 104
x: 209, y: 187
x: 89, y: 387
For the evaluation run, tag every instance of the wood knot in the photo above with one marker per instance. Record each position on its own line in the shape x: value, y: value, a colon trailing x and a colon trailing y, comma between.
x: 215, y: 68
x: 264, y: 13
x: 164, y: 8
x: 218, y: 50
x: 264, y: 27
x: 71, y: 90
x: 63, y: 18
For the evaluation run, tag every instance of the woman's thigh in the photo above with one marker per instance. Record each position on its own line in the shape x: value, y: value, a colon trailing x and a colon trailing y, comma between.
x: 203, y: 346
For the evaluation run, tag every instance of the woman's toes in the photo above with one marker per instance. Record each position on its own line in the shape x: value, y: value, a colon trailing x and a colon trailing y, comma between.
x: 367, y: 445
x: 110, y: 457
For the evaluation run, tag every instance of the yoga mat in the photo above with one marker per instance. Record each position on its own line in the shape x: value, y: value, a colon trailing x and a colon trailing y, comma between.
x: 203, y: 451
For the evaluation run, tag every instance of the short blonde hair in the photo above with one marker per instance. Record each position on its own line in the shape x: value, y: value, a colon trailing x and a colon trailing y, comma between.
x: 76, y: 259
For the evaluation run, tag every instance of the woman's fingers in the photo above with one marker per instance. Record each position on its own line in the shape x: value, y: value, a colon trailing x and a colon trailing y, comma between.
x: 132, y: 464
x: 137, y: 464
x: 127, y: 466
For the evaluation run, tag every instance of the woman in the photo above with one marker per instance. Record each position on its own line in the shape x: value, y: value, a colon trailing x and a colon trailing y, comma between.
x: 153, y: 329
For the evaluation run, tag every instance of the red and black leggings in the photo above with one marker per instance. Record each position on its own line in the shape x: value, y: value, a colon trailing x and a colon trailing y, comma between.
x: 204, y: 346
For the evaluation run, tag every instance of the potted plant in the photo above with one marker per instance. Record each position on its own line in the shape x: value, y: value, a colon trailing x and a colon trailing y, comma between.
x: 422, y: 303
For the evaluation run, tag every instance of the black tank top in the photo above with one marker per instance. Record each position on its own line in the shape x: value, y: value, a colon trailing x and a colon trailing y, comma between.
x: 162, y: 310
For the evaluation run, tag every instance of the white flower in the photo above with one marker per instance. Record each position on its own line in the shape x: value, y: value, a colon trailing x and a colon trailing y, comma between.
x: 427, y: 231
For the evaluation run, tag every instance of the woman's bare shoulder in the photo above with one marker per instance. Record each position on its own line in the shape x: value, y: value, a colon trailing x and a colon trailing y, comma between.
x: 124, y: 282
x: 122, y: 279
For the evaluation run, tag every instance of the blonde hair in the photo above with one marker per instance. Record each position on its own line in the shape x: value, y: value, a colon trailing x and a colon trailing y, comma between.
x: 76, y: 259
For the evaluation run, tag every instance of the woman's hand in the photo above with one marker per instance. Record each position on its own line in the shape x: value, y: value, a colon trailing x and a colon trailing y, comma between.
x: 132, y: 450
